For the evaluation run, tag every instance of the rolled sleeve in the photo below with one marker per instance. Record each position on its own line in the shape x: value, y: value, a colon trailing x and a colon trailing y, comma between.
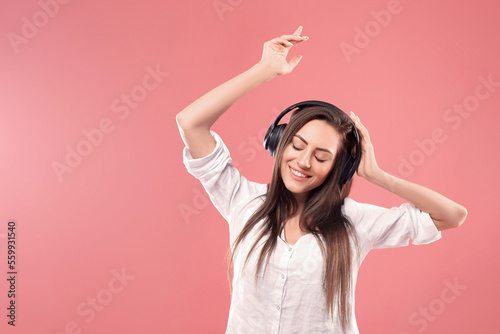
x: 396, y: 227
x: 228, y: 190
x: 212, y: 164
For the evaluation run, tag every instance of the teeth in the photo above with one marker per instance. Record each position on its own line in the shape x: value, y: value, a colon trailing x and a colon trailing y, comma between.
x: 297, y: 173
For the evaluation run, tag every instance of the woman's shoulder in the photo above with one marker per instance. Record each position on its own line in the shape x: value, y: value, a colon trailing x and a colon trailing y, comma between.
x: 229, y: 190
x: 256, y: 192
x: 359, y: 212
x: 350, y: 208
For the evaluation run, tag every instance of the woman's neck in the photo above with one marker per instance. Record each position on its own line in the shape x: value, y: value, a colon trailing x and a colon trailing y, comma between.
x: 301, y: 203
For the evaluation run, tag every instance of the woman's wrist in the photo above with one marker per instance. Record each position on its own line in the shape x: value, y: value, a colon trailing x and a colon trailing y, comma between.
x: 264, y: 71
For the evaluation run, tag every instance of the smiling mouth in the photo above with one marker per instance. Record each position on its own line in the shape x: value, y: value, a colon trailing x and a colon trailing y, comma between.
x: 298, y: 174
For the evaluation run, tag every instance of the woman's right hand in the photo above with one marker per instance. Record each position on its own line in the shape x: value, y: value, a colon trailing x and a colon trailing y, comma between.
x: 196, y: 119
x: 276, y: 50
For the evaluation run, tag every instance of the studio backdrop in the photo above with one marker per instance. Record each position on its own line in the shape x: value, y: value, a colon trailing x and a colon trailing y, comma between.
x: 102, y: 229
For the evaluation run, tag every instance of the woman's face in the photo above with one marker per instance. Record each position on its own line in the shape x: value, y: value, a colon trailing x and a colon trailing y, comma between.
x: 309, y: 158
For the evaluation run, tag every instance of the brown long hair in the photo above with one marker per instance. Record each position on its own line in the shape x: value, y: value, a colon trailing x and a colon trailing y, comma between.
x: 322, y: 215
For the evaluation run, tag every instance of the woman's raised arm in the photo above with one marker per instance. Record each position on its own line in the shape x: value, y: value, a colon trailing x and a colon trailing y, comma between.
x: 444, y: 212
x: 195, y: 120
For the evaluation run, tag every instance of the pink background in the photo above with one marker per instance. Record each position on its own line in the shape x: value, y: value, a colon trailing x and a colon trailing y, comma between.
x: 129, y: 206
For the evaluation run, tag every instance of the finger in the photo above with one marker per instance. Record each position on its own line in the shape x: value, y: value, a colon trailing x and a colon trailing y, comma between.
x: 359, y: 125
x: 294, y: 62
x: 283, y: 42
x: 354, y: 117
x: 298, y: 31
x: 295, y: 39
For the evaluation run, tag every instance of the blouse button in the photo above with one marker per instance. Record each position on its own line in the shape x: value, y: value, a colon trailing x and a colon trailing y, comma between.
x: 278, y: 307
x: 283, y: 276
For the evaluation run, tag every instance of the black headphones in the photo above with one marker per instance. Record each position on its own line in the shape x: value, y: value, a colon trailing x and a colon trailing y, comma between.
x: 275, y: 132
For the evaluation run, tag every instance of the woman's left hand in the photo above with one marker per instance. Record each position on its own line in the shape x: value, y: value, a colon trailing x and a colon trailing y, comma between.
x: 368, y: 167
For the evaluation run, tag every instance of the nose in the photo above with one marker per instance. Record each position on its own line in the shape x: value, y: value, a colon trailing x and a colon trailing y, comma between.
x: 304, y: 159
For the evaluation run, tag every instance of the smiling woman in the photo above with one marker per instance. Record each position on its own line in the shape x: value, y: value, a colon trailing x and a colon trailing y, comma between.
x: 310, y: 234
x: 306, y: 163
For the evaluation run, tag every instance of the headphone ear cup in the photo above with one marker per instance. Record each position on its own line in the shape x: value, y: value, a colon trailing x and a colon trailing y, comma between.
x: 352, y: 163
x: 347, y: 171
x: 274, y: 138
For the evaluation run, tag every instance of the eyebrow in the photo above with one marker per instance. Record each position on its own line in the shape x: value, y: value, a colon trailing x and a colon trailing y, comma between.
x: 318, y: 148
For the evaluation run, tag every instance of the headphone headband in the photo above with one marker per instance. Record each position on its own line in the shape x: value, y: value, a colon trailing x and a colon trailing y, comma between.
x: 303, y: 104
x: 275, y: 132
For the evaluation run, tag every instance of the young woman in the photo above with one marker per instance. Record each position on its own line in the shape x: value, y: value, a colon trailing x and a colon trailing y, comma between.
x: 297, y: 243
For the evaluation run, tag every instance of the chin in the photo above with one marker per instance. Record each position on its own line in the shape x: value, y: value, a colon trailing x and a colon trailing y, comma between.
x: 295, y: 189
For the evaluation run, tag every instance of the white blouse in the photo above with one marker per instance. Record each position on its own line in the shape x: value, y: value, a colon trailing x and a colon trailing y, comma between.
x: 289, y: 297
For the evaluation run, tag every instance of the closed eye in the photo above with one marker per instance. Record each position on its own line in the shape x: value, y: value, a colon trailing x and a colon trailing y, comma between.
x: 300, y: 149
